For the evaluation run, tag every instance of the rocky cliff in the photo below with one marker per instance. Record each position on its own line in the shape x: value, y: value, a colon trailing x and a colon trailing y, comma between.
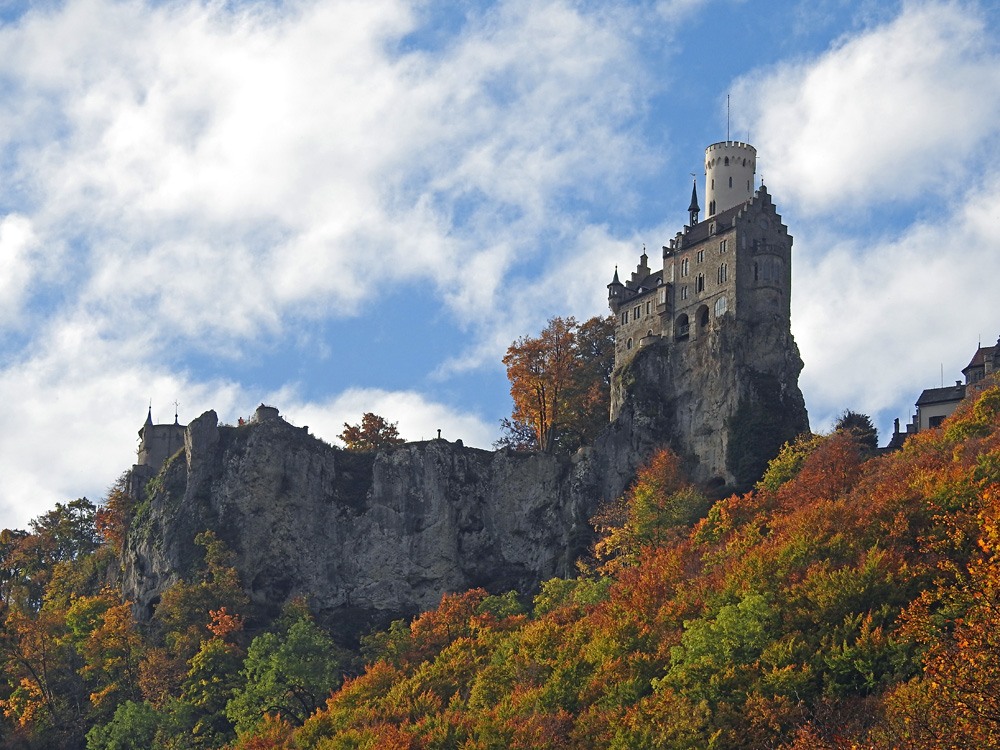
x: 372, y: 537
x: 369, y: 537
x: 726, y: 401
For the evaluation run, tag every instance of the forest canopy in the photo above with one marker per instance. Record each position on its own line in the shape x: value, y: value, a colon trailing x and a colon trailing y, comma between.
x: 849, y: 600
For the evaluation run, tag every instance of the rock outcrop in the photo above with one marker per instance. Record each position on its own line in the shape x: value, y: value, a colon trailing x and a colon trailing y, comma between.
x: 373, y: 537
x: 368, y: 537
x: 725, y: 402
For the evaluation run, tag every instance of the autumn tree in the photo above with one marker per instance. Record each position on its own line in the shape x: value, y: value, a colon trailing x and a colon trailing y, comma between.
x: 373, y: 433
x: 560, y: 384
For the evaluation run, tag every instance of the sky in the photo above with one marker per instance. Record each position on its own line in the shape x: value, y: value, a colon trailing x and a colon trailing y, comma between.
x: 341, y: 206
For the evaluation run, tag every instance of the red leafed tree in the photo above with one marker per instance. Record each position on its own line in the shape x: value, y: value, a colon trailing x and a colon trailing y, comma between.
x: 373, y: 433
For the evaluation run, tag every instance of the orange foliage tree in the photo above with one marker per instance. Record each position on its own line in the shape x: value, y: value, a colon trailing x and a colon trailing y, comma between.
x: 560, y: 384
x: 372, y: 433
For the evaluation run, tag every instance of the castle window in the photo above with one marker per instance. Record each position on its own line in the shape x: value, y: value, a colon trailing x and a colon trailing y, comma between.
x: 681, y: 329
x: 685, y: 266
x: 684, y: 292
x: 636, y: 311
x: 720, y: 307
x: 628, y: 344
x: 649, y: 307
x: 730, y: 182
x: 663, y: 296
x: 625, y: 317
x: 723, y: 246
x: 723, y: 273
x: 699, y: 283
x: 713, y: 183
x: 727, y: 164
x: 701, y: 255
x: 703, y: 316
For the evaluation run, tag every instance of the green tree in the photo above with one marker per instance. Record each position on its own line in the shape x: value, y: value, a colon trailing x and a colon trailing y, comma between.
x: 372, y: 433
x: 291, y: 672
x: 861, y: 427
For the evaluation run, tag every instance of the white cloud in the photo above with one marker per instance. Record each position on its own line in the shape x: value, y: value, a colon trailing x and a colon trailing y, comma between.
x: 877, y: 318
x: 288, y: 161
x: 18, y: 258
x: 884, y: 116
x: 72, y: 408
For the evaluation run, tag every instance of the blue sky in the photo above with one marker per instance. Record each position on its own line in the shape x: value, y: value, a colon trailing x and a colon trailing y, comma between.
x: 338, y: 207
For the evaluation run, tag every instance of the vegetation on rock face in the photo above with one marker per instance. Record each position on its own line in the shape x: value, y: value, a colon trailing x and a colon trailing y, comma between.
x: 560, y: 384
x: 848, y: 600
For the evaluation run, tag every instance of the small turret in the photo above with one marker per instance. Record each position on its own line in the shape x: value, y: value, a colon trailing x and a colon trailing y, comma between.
x: 615, y: 291
x: 694, y: 208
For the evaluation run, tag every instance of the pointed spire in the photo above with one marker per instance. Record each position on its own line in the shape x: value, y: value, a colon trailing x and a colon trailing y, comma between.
x: 149, y: 414
x: 694, y: 208
x: 615, y: 279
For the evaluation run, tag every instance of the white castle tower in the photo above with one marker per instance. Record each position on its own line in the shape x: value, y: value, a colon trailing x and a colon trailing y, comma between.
x: 729, y: 175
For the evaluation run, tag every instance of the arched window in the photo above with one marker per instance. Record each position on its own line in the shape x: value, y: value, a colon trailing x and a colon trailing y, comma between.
x: 723, y: 273
x: 720, y: 307
x: 685, y: 266
x: 703, y: 316
x: 727, y: 161
x: 699, y: 283
x: 628, y: 344
x: 730, y: 182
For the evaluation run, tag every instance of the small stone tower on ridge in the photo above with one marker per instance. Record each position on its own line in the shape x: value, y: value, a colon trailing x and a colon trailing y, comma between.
x: 158, y: 442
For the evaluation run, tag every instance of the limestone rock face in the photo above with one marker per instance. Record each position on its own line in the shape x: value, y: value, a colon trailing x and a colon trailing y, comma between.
x: 726, y: 400
x: 369, y: 537
x: 373, y: 537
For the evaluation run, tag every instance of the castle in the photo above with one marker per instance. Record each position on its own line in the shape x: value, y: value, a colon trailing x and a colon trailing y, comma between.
x: 736, y: 262
x: 708, y: 333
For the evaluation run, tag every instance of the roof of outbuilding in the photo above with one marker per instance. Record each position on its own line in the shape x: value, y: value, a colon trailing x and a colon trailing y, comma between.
x: 941, y: 395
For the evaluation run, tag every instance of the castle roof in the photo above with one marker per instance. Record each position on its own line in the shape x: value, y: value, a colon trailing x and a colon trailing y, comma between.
x: 942, y: 395
x: 646, y: 284
x: 979, y: 358
x: 701, y: 230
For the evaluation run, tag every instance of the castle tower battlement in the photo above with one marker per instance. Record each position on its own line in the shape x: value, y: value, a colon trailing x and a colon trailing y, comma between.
x: 729, y: 175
